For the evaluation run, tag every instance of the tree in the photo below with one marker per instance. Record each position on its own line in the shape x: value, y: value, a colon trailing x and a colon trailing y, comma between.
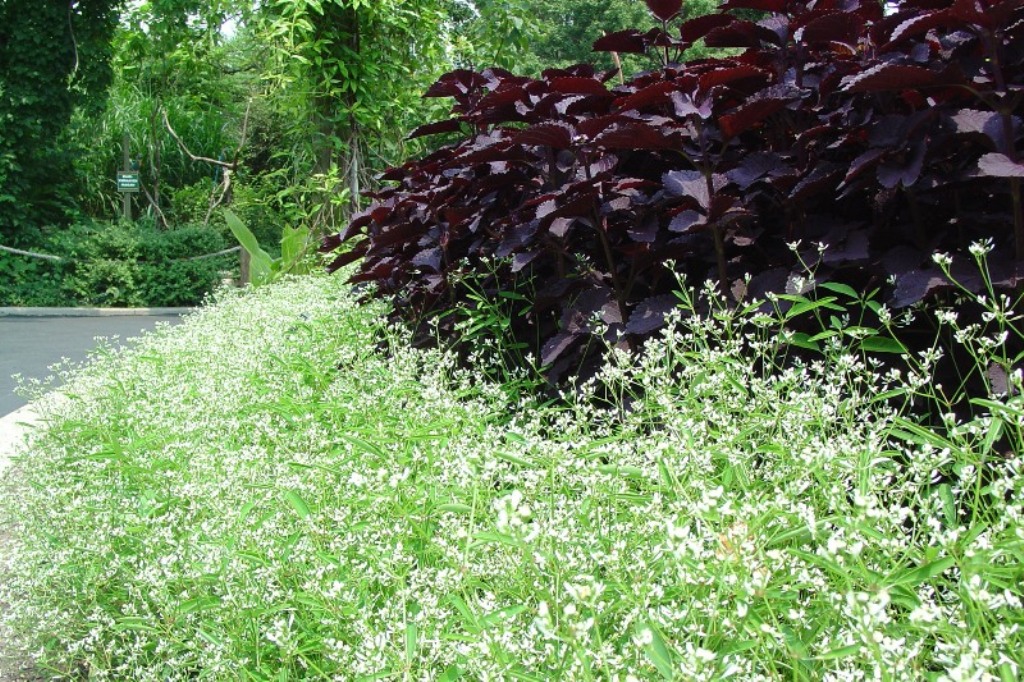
x: 54, y: 57
x: 565, y: 30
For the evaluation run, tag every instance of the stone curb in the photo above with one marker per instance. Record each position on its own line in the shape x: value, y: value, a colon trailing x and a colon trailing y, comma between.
x: 13, y: 429
x: 91, y: 312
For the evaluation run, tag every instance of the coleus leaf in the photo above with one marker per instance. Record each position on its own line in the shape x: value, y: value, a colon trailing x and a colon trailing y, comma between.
x: 987, y: 123
x: 759, y: 107
x: 773, y: 6
x: 741, y: 34
x: 650, y: 314
x: 664, y: 10
x: 903, y: 168
x: 684, y: 221
x: 1000, y: 166
x: 453, y: 125
x: 575, y: 85
x: 555, y: 135
x: 732, y: 76
x: 350, y: 256
x: 898, y: 77
x: 831, y: 27
x: 753, y: 167
x: 692, y: 183
x: 637, y: 136
x: 455, y: 84
x: 557, y: 345
x: 693, y: 30
x: 685, y: 106
x: 915, y: 26
x: 630, y: 41
x: 659, y: 93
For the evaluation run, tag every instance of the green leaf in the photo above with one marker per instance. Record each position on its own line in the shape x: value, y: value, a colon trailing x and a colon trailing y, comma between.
x: 948, y: 505
x: 411, y: 642
x: 294, y: 242
x: 197, y: 605
x: 297, y: 503
x: 455, y: 507
x: 802, y: 340
x: 501, y: 615
x: 881, y: 344
x: 261, y: 264
x: 839, y: 288
x: 659, y: 653
x: 920, y: 574
x: 841, y: 652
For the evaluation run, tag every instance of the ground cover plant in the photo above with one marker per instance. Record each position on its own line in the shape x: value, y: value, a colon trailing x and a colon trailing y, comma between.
x: 281, y: 488
x: 884, y: 137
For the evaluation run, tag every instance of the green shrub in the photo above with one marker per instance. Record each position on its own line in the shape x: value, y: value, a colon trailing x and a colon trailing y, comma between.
x: 116, y: 264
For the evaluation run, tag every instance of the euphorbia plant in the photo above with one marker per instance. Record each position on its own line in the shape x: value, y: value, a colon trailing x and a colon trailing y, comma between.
x: 883, y: 137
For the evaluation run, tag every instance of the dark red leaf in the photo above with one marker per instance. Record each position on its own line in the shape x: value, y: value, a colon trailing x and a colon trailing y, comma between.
x: 664, y: 10
x: 852, y: 249
x: 650, y: 314
x: 595, y: 126
x: 687, y: 184
x: 523, y: 258
x: 571, y: 85
x: 428, y: 259
x: 685, y: 106
x: 455, y: 83
x: 987, y: 123
x: 903, y: 168
x: 897, y: 77
x: 759, y: 107
x: 693, y: 30
x: 453, y: 125
x: 626, y: 42
x: 741, y: 34
x: 761, y: 5
x: 637, y: 136
x: 330, y: 242
x: 732, y: 76
x: 557, y: 345
x: 821, y: 179
x: 915, y: 285
x: 687, y: 220
x: 651, y: 95
x: 753, y: 167
x: 868, y: 159
x: 915, y: 26
x: 560, y: 226
x: 693, y: 184
x: 834, y: 27
x: 554, y: 135
x: 1000, y: 166
x: 347, y: 257
x: 645, y: 232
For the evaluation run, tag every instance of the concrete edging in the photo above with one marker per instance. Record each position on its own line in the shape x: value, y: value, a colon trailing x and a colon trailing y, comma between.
x: 13, y: 429
x: 91, y: 312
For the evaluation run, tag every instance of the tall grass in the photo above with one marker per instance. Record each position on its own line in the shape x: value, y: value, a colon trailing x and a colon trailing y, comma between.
x: 279, y: 488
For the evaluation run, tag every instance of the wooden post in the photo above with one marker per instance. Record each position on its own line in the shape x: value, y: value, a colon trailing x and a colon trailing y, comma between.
x: 127, y: 165
x: 244, y: 262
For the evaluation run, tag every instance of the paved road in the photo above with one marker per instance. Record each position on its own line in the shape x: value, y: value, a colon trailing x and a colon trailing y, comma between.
x: 29, y: 345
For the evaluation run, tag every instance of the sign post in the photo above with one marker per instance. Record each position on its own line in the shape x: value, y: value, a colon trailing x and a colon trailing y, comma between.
x: 127, y: 179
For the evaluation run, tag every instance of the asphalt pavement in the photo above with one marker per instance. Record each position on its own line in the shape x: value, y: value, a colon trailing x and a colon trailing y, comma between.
x: 32, y: 341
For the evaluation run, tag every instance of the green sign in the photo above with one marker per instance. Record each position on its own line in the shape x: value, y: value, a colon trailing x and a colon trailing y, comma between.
x: 128, y: 181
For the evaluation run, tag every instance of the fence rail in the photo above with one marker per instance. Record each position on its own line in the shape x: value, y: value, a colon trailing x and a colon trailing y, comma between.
x: 32, y: 254
x: 59, y: 259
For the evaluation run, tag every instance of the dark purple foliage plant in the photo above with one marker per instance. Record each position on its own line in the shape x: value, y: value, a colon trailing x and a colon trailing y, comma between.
x: 884, y: 135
